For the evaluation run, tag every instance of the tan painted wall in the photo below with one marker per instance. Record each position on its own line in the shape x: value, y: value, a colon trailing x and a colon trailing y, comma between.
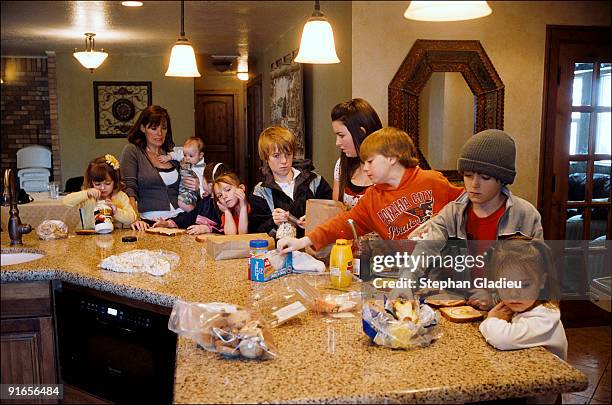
x: 330, y: 84
x: 513, y: 36
x: 78, y: 144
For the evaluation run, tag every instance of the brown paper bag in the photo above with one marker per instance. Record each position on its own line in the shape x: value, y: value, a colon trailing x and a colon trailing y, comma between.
x: 222, y: 247
x: 317, y: 212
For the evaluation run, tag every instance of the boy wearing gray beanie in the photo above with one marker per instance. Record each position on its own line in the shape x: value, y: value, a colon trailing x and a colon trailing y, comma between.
x: 487, y: 210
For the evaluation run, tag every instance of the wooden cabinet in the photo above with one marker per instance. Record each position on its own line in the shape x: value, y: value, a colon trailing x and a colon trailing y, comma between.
x: 27, y: 349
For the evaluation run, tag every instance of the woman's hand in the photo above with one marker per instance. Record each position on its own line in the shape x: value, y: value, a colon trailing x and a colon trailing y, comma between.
x: 480, y: 298
x: 198, y: 229
x: 501, y: 311
x: 93, y: 193
x: 139, y: 226
x: 280, y: 216
x: 191, y: 183
x: 286, y: 245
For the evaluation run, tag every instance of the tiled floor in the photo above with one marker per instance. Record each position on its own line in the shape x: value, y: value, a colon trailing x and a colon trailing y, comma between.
x: 589, y: 351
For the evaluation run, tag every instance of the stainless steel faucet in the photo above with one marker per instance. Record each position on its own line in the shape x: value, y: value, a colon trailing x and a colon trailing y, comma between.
x: 15, y: 228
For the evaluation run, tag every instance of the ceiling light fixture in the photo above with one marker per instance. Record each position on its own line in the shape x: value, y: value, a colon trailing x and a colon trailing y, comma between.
x: 131, y: 3
x: 447, y: 10
x: 90, y: 58
x: 317, y: 44
x: 182, y: 58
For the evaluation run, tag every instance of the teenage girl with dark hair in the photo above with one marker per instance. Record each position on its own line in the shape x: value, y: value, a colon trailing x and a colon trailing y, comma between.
x: 352, y: 122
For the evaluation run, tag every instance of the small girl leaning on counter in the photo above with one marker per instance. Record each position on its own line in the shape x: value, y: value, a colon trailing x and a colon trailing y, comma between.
x: 230, y: 195
x: 526, y: 316
x: 102, y: 183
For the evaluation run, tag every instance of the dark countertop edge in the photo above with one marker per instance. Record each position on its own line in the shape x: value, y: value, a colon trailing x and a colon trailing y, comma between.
x: 12, y: 276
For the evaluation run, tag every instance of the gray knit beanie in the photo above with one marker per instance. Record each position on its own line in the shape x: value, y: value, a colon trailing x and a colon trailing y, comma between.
x: 491, y: 152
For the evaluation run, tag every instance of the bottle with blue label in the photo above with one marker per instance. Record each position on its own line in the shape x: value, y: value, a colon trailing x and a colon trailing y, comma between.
x: 256, y: 247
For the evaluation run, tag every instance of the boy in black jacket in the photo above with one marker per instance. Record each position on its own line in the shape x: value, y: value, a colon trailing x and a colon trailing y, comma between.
x: 287, y: 183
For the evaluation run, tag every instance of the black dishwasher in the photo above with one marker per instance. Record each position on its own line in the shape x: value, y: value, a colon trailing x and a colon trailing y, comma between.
x: 114, y: 350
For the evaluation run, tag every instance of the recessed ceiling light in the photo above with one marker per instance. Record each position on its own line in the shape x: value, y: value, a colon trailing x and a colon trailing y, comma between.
x: 131, y: 3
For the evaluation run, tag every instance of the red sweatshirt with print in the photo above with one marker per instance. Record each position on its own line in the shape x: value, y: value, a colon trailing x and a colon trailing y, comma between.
x: 391, y: 212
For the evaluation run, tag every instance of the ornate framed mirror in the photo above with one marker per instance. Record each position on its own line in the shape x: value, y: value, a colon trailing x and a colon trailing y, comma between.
x: 406, y: 90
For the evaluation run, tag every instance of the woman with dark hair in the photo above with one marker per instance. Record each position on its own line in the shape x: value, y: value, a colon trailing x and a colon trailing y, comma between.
x: 152, y: 185
x: 352, y: 122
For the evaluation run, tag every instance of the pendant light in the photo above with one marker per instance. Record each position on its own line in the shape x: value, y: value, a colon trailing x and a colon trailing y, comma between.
x: 182, y: 58
x: 90, y: 58
x: 447, y: 10
x: 317, y: 44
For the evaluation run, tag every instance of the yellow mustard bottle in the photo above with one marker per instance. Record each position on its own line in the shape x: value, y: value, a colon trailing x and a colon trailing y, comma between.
x: 341, y: 264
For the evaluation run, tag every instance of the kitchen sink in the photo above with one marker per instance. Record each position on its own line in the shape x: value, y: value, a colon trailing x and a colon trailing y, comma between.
x: 19, y: 255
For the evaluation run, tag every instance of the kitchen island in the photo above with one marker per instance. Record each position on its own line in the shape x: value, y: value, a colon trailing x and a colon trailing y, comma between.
x: 318, y: 361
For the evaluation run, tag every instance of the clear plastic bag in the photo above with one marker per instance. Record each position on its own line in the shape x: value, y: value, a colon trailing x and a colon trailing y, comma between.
x: 52, y: 229
x: 305, y: 263
x: 324, y: 303
x: 386, y: 330
x: 293, y: 296
x: 227, y: 329
x: 279, y: 301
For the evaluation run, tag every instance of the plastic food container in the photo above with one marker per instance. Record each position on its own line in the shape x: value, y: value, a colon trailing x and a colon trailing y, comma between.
x: 257, y: 246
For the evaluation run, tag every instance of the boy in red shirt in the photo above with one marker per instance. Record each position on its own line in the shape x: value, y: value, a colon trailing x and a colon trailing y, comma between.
x: 403, y: 196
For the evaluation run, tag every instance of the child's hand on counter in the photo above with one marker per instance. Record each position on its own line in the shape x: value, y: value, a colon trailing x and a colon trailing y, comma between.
x: 501, y: 311
x: 139, y: 226
x: 198, y: 229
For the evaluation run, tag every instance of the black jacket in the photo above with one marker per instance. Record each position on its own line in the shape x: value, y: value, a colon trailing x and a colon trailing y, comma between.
x: 268, y: 195
x: 206, y: 208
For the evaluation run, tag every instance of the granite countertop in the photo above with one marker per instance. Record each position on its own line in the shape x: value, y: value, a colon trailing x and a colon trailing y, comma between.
x: 319, y: 360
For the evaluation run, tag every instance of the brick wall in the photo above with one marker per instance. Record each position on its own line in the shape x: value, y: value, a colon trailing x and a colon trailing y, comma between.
x: 55, y: 143
x: 26, y: 115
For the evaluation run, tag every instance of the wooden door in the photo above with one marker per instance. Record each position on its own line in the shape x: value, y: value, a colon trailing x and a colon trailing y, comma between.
x: 254, y: 128
x: 27, y: 352
x: 215, y: 124
x: 575, y: 156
